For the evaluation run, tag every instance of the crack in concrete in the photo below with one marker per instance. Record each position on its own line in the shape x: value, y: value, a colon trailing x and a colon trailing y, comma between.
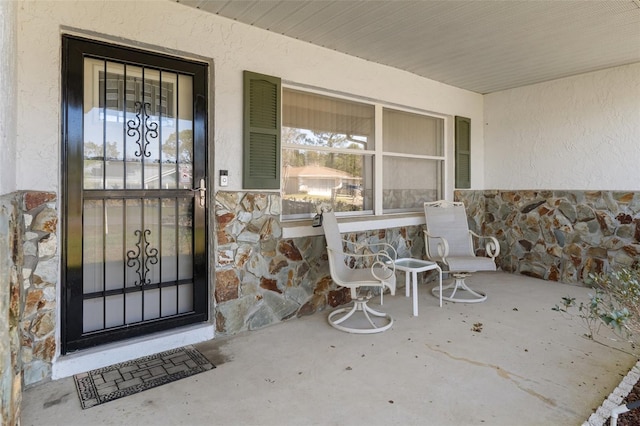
x: 501, y: 372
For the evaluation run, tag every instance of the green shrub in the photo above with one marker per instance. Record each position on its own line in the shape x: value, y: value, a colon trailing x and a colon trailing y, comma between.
x: 615, y: 303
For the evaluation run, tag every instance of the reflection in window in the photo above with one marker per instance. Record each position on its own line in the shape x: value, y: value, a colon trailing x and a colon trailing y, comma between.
x: 327, y: 154
x: 138, y: 127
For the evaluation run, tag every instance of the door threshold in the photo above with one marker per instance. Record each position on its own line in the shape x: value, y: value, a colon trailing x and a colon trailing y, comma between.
x: 113, y: 353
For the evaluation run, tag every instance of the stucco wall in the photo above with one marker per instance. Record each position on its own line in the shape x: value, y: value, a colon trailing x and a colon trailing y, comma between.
x: 580, y: 132
x: 8, y: 85
x: 231, y: 46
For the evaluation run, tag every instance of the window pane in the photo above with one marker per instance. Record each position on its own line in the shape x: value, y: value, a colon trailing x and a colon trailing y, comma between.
x: 133, y: 123
x: 93, y: 246
x: 321, y: 137
x: 184, y: 132
x: 420, y: 181
x: 151, y: 128
x: 312, y: 177
x: 325, y: 121
x: 328, y: 151
x: 94, y: 149
x: 408, y: 133
x: 114, y: 134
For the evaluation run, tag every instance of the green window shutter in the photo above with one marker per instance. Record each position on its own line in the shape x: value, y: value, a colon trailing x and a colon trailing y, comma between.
x: 463, y: 152
x: 261, y: 165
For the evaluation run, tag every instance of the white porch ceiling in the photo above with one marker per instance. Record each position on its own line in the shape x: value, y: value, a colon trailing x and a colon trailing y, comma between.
x: 483, y: 46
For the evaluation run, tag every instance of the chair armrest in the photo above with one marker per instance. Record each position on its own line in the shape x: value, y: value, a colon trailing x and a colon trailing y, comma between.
x: 386, y: 249
x: 384, y: 258
x: 492, y: 247
x: 380, y: 259
x: 385, y: 263
x: 443, y: 246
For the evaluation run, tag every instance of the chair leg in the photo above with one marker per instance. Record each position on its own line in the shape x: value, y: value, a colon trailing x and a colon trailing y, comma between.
x: 359, y: 305
x: 346, y: 316
x: 459, y: 285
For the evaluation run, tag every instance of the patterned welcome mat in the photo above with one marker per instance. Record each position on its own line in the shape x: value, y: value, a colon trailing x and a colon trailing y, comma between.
x: 116, y: 381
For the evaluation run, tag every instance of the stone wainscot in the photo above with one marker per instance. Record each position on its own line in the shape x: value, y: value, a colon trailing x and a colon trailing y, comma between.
x: 29, y: 267
x: 262, y: 278
x: 559, y: 235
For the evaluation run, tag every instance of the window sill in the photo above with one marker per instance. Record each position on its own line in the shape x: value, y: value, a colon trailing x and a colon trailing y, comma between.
x: 303, y: 228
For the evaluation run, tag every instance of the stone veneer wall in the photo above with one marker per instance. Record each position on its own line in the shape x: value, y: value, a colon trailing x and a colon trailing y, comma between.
x: 262, y: 278
x: 558, y: 235
x: 10, y: 301
x: 40, y: 273
x: 28, y: 273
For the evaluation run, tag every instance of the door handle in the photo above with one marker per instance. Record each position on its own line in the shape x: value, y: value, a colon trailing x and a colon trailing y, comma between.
x: 203, y: 190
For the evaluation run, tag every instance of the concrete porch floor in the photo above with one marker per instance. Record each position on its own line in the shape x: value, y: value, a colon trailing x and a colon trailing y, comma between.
x: 528, y: 366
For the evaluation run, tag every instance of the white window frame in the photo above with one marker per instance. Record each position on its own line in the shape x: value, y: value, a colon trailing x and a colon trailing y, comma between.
x: 378, y: 200
x: 360, y: 221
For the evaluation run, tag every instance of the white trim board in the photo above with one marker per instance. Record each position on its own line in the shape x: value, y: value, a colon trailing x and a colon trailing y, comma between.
x: 114, y: 353
x: 345, y: 225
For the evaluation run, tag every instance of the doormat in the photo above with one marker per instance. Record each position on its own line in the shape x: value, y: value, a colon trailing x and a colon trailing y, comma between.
x: 116, y: 381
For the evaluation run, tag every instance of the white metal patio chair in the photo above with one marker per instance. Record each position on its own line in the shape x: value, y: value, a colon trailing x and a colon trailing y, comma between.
x: 449, y: 241
x: 378, y: 271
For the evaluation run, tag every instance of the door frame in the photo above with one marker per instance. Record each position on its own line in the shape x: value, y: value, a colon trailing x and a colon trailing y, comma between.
x: 71, y: 180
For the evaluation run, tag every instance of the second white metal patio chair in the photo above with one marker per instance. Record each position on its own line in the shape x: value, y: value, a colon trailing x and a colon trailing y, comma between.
x: 377, y: 271
x: 449, y: 241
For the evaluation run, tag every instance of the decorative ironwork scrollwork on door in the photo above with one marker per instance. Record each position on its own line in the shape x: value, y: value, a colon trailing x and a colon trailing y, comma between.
x: 135, y: 128
x: 142, y: 257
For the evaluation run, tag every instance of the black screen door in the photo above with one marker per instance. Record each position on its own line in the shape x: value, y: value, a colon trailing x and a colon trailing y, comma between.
x: 134, y: 246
